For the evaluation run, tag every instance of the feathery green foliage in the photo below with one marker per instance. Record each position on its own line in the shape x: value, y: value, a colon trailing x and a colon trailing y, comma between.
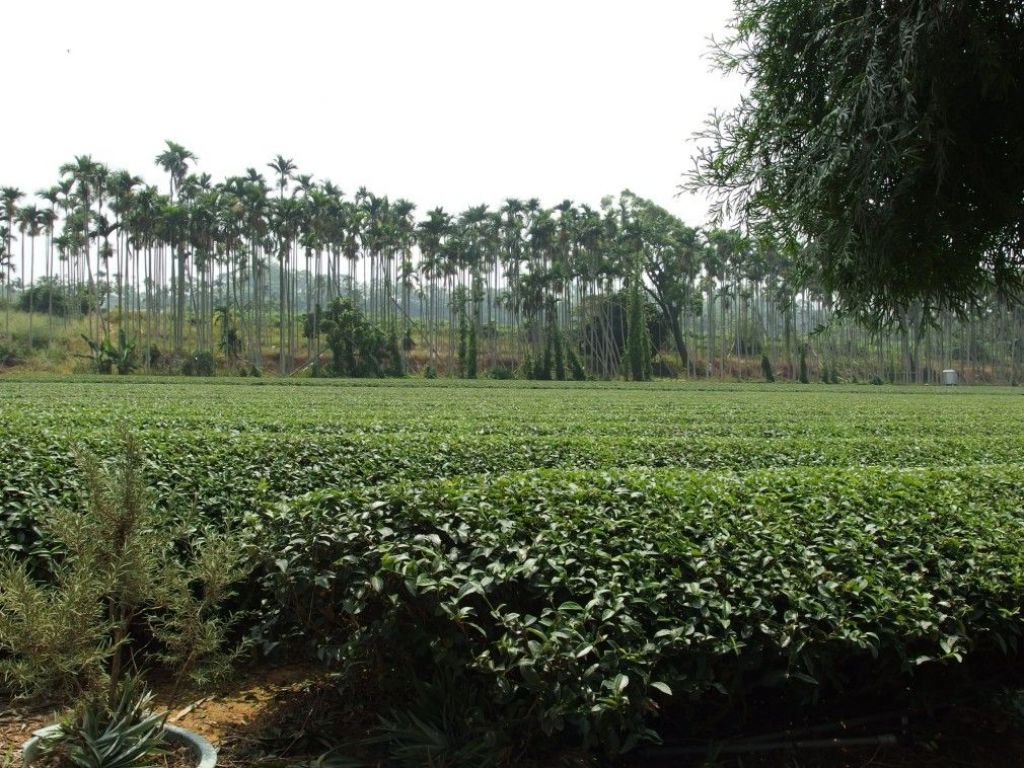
x: 67, y: 624
x: 888, y: 136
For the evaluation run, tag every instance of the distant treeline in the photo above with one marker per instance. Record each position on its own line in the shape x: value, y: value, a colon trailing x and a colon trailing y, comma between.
x: 291, y: 272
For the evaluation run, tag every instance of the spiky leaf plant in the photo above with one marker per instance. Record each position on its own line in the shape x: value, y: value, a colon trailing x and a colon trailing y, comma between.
x: 128, y: 734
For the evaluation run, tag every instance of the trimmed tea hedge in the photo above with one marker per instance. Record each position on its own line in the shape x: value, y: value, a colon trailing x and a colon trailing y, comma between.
x: 219, y: 476
x: 586, y: 601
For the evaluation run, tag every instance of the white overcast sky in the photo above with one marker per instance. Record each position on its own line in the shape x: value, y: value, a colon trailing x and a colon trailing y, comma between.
x: 444, y: 102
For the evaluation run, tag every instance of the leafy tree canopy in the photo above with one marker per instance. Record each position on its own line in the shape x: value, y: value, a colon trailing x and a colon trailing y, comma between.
x: 886, y: 135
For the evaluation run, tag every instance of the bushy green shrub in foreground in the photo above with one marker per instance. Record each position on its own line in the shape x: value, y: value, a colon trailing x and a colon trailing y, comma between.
x: 583, y: 602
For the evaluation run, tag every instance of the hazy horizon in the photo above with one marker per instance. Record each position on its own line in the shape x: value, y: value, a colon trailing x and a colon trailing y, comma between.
x: 448, y: 104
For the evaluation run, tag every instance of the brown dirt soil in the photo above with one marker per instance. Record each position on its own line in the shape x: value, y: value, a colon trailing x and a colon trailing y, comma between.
x: 223, y: 713
x: 177, y: 758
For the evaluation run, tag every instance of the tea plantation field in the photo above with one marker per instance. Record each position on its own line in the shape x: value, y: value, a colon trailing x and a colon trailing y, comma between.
x: 228, y: 447
x: 225, y: 447
x: 593, y: 562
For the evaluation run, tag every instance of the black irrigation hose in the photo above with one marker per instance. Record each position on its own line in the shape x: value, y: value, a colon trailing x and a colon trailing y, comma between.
x: 790, y: 740
x: 845, y: 724
x: 712, y: 750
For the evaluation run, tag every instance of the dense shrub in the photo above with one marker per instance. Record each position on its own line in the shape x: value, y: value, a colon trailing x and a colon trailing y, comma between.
x: 359, y: 348
x: 583, y: 603
x: 199, y: 364
x: 8, y: 356
x: 47, y: 295
x: 500, y: 373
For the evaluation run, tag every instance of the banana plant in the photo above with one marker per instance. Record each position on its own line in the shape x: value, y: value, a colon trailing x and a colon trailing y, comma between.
x: 106, y: 356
